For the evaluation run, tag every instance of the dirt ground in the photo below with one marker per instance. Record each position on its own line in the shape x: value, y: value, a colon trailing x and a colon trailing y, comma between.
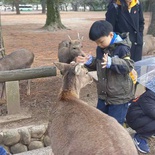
x: 24, y: 31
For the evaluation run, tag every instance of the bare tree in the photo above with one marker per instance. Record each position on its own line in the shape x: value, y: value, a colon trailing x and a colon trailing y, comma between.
x: 75, y: 5
x: 16, y: 3
x: 53, y: 20
x: 2, y: 49
x: 64, y: 4
x: 43, y: 4
x: 151, y: 29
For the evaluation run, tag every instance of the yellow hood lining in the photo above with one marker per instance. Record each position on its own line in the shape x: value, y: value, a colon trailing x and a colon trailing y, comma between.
x: 132, y: 4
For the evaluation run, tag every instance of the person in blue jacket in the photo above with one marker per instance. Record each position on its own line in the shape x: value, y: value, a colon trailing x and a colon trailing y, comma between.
x: 3, y: 151
x: 141, y: 118
x: 127, y: 16
x: 115, y: 87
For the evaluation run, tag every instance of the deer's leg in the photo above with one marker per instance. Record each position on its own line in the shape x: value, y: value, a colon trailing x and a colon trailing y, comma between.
x: 2, y: 90
x: 28, y: 86
x: 2, y: 93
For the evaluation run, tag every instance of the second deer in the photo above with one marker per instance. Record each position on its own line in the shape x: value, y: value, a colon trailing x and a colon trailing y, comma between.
x: 18, y: 59
x: 69, y: 50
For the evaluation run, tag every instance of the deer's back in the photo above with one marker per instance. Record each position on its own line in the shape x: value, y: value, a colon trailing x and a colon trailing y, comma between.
x: 19, y: 59
x: 149, y: 44
x: 63, y: 54
x: 79, y: 129
x: 64, y: 43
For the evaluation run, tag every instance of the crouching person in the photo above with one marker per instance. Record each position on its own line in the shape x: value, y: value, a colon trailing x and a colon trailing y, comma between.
x: 141, y: 118
x: 3, y: 151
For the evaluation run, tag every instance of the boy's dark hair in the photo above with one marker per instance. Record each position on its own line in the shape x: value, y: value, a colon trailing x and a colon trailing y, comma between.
x: 100, y: 29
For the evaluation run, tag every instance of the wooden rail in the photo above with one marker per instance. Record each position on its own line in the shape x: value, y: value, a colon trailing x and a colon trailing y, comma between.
x: 30, y: 73
x: 11, y: 79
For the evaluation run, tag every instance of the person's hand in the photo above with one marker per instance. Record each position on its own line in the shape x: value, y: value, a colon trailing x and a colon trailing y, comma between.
x: 105, y: 60
x: 82, y: 59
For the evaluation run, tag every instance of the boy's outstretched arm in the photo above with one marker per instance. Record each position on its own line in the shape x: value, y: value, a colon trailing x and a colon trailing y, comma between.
x: 88, y: 60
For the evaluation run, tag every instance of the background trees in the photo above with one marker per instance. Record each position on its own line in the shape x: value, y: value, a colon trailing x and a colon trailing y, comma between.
x: 151, y: 29
x: 53, y: 8
x: 53, y: 20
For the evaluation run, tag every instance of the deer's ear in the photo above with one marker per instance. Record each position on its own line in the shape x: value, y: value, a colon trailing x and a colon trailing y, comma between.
x: 69, y: 38
x: 82, y: 37
x: 62, y: 67
x: 78, y: 69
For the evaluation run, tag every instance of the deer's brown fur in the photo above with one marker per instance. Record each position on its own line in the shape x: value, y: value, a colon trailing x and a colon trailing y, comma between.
x: 76, y: 128
x: 69, y: 50
x: 18, y: 59
x: 149, y: 45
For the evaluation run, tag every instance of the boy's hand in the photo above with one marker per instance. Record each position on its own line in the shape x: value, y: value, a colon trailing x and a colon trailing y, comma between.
x: 105, y: 60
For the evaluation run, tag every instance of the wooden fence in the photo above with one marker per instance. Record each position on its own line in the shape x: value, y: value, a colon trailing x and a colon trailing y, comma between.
x: 11, y: 79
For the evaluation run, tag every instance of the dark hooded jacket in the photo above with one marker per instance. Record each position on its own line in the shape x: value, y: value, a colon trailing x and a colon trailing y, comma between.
x: 114, y: 84
x: 142, y: 110
x: 124, y: 21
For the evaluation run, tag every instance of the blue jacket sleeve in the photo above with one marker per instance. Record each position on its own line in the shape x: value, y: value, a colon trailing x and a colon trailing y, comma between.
x: 92, y: 65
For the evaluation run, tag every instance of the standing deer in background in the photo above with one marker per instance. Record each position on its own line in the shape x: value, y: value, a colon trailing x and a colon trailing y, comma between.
x: 149, y: 45
x: 69, y: 50
x: 18, y: 59
x: 76, y: 128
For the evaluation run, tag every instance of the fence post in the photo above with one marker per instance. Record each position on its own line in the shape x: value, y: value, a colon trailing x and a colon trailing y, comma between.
x: 12, y: 97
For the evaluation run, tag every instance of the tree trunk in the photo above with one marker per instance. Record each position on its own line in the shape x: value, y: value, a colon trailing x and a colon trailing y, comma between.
x: 151, y: 29
x: 75, y: 6
x: 43, y: 4
x: 2, y: 49
x: 53, y: 20
x: 16, y: 2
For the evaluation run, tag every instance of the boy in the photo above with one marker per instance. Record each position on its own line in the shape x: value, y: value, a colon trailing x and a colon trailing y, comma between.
x: 141, y: 118
x: 113, y: 65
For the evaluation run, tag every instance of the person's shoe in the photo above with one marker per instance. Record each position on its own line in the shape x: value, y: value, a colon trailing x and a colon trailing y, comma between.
x: 141, y: 144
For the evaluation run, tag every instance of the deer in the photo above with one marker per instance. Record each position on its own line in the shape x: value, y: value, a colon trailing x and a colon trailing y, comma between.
x: 77, y: 128
x: 19, y: 59
x: 148, y: 45
x: 69, y: 50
